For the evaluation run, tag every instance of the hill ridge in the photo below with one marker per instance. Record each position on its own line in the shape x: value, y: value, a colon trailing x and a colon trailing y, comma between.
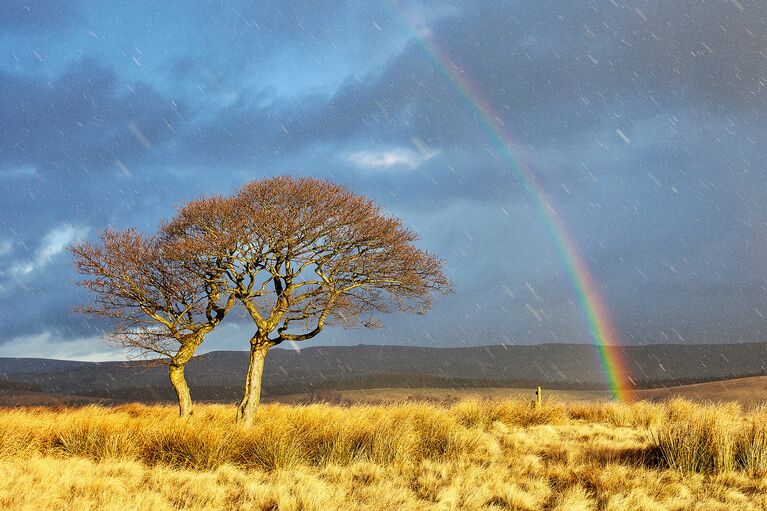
x: 218, y: 375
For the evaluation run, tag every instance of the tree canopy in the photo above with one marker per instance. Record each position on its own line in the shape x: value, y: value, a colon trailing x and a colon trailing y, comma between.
x: 301, y: 253
x: 160, y: 302
x: 298, y: 254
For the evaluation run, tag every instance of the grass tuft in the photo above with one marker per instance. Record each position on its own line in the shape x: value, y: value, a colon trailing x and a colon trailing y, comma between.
x: 476, y: 454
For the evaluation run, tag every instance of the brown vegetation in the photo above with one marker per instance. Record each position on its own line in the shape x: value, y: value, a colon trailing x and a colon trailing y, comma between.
x: 300, y: 254
x: 472, y: 455
x: 297, y: 254
x: 160, y: 301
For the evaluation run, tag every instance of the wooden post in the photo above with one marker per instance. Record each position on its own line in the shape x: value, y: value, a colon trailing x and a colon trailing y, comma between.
x: 538, y: 397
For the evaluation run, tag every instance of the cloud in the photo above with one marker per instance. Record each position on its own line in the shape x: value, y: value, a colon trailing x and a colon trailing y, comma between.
x: 18, y: 173
x: 6, y: 247
x: 681, y: 81
x: 50, y: 344
x: 80, y: 122
x: 51, y: 245
x: 391, y: 158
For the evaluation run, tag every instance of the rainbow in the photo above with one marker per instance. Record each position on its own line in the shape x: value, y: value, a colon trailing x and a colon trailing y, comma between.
x: 602, y: 333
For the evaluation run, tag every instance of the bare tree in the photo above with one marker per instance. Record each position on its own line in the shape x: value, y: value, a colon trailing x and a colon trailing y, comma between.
x: 161, y: 300
x: 302, y: 254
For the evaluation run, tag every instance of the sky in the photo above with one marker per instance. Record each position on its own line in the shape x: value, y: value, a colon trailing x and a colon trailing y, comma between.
x: 643, y: 122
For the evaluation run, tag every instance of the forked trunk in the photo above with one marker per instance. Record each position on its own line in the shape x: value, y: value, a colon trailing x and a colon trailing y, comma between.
x: 178, y: 381
x: 246, y: 412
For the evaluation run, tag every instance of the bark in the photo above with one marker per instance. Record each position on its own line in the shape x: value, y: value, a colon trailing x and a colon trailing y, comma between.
x: 178, y: 381
x: 176, y: 373
x: 246, y: 412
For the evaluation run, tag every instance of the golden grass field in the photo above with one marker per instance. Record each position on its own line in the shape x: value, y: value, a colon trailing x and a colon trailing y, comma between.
x: 475, y: 454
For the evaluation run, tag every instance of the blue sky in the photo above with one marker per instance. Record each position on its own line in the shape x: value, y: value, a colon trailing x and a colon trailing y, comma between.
x: 643, y: 120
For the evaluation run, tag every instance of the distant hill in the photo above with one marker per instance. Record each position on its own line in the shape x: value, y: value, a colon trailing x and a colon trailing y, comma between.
x: 9, y: 366
x: 750, y: 392
x: 218, y: 376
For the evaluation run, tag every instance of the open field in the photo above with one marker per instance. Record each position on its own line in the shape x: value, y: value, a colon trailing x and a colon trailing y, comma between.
x: 439, y: 395
x: 218, y: 376
x: 34, y: 398
x: 749, y: 392
x: 475, y: 454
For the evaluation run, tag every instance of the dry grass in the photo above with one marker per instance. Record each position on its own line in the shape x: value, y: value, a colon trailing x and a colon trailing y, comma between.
x: 712, y: 438
x: 472, y: 455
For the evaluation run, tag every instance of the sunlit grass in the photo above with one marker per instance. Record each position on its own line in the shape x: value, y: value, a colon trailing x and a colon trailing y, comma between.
x: 475, y: 454
x: 712, y: 439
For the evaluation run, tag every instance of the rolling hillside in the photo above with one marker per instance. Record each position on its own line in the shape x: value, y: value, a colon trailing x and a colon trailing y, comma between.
x: 218, y: 376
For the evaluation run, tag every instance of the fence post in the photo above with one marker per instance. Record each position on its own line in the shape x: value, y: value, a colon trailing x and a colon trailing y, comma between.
x: 538, y: 397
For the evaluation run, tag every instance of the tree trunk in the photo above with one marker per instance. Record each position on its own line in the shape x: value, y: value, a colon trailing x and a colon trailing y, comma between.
x: 178, y: 381
x: 178, y: 362
x: 246, y: 412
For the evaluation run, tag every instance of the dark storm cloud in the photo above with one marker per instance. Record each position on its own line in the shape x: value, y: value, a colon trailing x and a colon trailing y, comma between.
x: 556, y: 75
x: 77, y: 146
x: 84, y: 120
x: 643, y: 122
x: 559, y: 68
